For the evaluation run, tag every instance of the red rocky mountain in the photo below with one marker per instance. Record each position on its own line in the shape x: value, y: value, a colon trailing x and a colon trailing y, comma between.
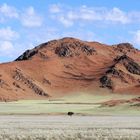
x: 70, y: 65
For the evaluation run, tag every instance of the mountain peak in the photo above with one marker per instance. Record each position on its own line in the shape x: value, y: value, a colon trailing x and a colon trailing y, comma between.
x: 65, y: 47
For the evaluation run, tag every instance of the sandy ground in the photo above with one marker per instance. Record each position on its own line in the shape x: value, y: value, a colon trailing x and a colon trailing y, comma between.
x: 42, y: 127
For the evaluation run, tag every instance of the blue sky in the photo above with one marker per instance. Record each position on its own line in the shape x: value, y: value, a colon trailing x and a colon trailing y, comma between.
x: 27, y: 23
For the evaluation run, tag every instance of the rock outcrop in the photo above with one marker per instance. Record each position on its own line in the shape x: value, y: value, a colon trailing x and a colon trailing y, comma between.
x: 106, y: 82
x: 20, y: 77
x: 129, y: 64
x: 67, y: 49
x: 27, y: 55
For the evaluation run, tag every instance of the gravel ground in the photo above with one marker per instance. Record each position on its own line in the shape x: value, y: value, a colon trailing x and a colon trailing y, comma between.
x: 43, y: 127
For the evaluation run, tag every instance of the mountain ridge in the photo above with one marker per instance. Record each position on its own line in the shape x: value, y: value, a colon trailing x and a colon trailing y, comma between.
x: 68, y: 65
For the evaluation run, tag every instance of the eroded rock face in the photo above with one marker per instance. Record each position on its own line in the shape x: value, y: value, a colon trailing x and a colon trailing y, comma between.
x: 4, y: 85
x: 133, y: 67
x: 46, y: 81
x: 113, y: 71
x: 73, y: 49
x: 16, y: 85
x: 121, y: 58
x: 125, y: 45
x: 106, y: 82
x: 129, y: 64
x: 63, y: 51
x: 86, y: 49
x: 124, y: 48
x: 28, y: 82
x: 27, y: 55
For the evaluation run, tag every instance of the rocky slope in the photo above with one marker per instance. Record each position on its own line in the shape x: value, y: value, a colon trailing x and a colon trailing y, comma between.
x: 69, y: 65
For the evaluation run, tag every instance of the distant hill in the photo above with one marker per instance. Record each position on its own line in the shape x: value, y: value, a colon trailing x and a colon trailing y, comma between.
x: 69, y: 65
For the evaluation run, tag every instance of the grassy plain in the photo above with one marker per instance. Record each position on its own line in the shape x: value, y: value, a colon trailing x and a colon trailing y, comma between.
x: 85, y: 104
x: 29, y: 119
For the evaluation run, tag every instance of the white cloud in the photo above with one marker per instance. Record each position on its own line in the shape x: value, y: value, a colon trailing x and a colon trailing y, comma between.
x: 6, y: 47
x: 54, y: 8
x: 66, y: 22
x: 8, y: 34
x: 134, y: 16
x: 8, y: 11
x: 7, y: 37
x: 85, y: 13
x: 68, y: 16
x: 116, y: 15
x: 137, y: 37
x: 30, y: 18
x: 2, y: 19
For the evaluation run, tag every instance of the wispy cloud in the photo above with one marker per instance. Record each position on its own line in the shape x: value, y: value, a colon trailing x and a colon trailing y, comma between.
x: 8, y: 34
x: 9, y: 38
x: 136, y: 39
x: 8, y: 11
x: 117, y: 15
x: 6, y: 47
x: 54, y: 8
x: 35, y: 26
x: 30, y: 18
x: 68, y: 16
